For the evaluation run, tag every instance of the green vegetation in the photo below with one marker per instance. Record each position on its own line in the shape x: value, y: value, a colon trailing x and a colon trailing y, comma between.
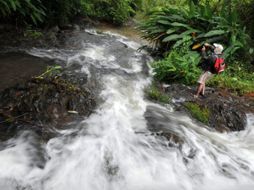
x: 22, y: 10
x: 179, y: 29
x: 237, y: 78
x: 201, y: 114
x: 55, y: 12
x: 50, y: 71
x: 116, y: 11
x: 178, y: 66
x: 155, y: 93
x: 32, y: 33
x: 171, y: 28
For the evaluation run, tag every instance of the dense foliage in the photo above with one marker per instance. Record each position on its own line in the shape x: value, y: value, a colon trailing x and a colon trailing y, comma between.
x: 111, y: 10
x: 172, y: 27
x: 176, y: 31
x: 246, y: 13
x: 22, y: 10
x: 178, y: 66
x: 45, y: 12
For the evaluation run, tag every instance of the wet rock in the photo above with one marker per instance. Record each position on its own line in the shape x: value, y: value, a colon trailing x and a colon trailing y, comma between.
x: 227, y: 111
x: 163, y: 125
x: 17, y: 67
x: 67, y: 27
x: 76, y: 27
x: 42, y: 103
x: 54, y: 29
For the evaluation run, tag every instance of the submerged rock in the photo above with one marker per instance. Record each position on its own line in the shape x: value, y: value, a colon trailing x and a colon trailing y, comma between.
x: 163, y: 125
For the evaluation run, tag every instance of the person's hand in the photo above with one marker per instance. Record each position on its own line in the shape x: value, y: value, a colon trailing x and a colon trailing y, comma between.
x: 203, y: 48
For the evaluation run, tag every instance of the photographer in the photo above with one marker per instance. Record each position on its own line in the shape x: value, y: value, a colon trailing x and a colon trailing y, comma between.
x: 207, y: 65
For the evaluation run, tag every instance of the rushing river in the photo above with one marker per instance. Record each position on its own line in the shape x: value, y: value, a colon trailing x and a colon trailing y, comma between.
x: 113, y: 148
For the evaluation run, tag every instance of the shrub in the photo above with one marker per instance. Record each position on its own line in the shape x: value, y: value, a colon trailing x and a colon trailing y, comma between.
x: 180, y: 66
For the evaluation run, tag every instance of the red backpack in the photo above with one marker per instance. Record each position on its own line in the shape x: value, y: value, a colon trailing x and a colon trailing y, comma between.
x: 219, y: 65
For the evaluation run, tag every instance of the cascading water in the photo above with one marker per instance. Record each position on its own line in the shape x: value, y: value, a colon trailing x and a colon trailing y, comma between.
x: 113, y: 148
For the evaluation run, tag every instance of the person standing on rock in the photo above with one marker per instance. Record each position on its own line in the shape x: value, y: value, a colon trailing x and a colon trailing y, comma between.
x: 210, y: 64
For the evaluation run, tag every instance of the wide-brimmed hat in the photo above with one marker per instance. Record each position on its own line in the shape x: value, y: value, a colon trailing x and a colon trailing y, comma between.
x: 218, y: 48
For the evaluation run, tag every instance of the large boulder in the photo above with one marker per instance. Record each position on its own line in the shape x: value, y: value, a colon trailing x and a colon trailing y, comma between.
x: 227, y: 112
x: 43, y: 102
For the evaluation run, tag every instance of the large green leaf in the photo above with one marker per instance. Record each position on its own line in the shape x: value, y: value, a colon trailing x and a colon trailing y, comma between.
x: 214, y: 33
x: 178, y: 24
x: 188, y: 32
x: 176, y: 18
x: 230, y: 50
x: 13, y: 5
x: 6, y: 9
x: 180, y: 42
x: 172, y: 37
x: 170, y: 31
x: 159, y: 30
x: 165, y: 22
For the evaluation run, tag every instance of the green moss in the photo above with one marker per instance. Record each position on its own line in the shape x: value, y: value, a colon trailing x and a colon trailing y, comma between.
x: 198, y: 112
x: 32, y: 33
x: 156, y: 94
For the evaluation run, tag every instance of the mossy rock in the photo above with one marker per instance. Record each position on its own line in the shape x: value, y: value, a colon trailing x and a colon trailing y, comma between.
x: 219, y: 109
x: 156, y: 93
x: 44, y: 102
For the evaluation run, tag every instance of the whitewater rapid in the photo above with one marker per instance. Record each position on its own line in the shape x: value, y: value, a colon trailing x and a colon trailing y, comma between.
x: 113, y: 148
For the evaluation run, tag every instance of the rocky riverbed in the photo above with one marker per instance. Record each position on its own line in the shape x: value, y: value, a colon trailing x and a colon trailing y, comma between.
x: 54, y: 101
